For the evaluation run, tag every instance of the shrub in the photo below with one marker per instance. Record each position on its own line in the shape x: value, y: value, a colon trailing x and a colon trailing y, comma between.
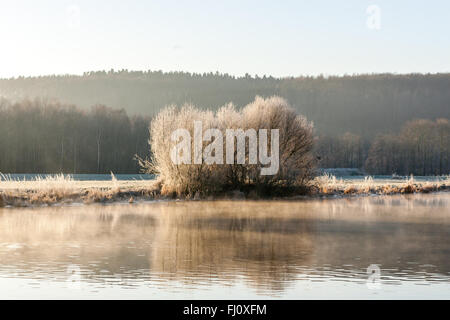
x: 296, y: 162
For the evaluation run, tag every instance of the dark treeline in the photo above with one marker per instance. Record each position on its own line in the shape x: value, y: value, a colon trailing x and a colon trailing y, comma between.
x: 41, y: 137
x: 365, y: 105
x: 344, y: 151
x: 422, y: 147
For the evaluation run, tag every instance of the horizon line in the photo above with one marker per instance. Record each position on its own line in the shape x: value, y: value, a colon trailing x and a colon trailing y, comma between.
x: 113, y: 71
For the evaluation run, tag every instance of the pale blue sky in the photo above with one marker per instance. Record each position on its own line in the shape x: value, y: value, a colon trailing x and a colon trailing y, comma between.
x: 280, y: 38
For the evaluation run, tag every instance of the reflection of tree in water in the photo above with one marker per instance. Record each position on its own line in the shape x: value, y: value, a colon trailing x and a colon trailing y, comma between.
x: 263, y: 250
x: 274, y: 243
x: 266, y: 244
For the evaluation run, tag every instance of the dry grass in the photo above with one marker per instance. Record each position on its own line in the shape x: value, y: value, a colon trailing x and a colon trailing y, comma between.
x: 330, y: 185
x: 63, y: 189
x: 39, y: 190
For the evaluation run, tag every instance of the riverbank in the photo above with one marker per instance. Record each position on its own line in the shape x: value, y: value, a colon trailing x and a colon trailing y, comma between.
x: 62, y: 189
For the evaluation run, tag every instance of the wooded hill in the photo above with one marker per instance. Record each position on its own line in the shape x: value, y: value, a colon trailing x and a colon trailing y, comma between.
x: 363, y: 104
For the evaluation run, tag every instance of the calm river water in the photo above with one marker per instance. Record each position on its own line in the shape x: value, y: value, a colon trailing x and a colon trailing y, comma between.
x: 371, y: 247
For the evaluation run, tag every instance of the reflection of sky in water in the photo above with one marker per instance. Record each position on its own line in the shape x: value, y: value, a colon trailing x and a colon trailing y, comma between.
x: 278, y: 249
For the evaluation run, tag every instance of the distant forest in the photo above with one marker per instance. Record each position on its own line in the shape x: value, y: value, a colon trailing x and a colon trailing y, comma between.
x: 42, y: 137
x: 422, y: 147
x: 381, y: 123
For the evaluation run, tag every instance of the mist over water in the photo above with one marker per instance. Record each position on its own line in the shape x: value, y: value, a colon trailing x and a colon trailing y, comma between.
x: 229, y: 249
